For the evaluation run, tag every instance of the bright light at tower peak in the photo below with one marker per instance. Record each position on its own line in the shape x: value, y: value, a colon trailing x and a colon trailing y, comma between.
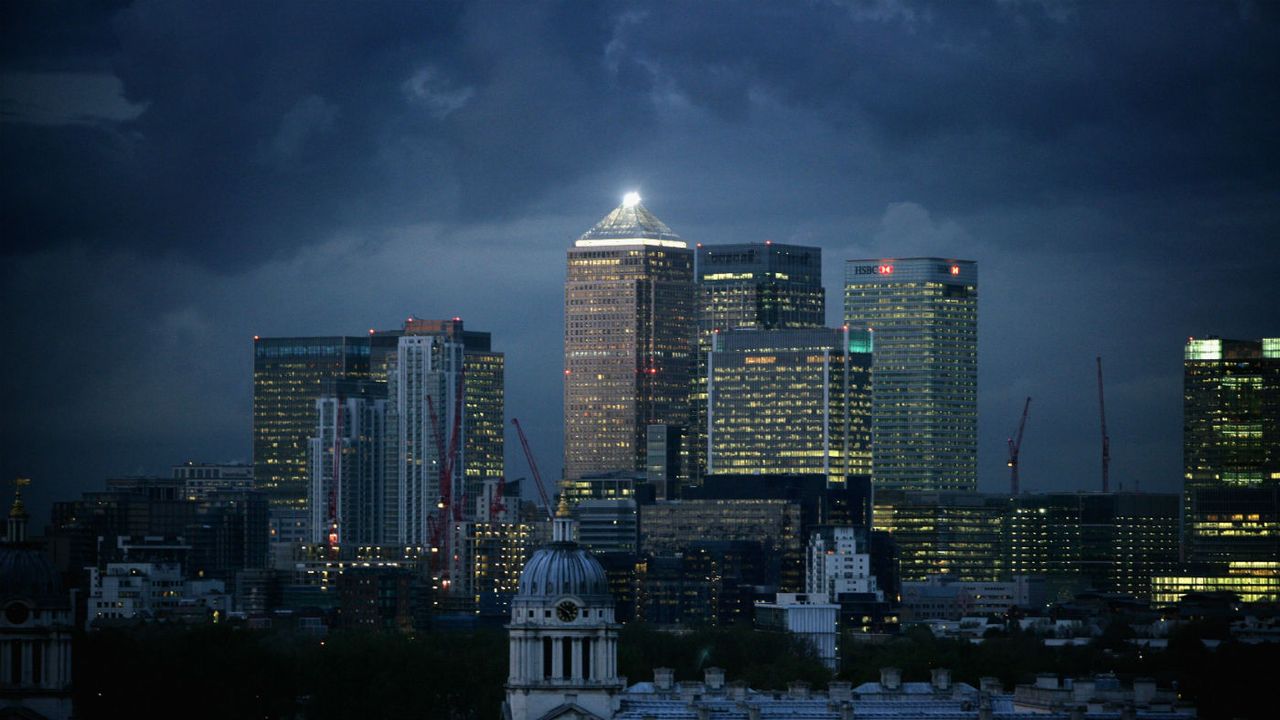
x: 631, y: 199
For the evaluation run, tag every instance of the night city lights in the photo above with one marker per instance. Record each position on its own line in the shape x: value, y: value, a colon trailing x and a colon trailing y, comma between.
x: 617, y: 360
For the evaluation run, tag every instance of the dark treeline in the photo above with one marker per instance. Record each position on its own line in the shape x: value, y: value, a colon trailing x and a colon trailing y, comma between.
x: 219, y: 671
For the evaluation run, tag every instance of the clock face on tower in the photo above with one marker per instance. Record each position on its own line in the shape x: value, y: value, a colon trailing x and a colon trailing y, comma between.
x: 567, y: 611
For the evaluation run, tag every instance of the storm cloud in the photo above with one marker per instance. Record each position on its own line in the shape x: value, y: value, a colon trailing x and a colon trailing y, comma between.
x: 178, y: 177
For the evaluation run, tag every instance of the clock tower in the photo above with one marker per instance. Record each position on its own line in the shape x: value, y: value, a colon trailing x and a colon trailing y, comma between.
x: 563, y: 638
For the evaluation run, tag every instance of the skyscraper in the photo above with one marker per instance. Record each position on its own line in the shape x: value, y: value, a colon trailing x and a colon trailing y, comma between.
x: 757, y: 286
x: 789, y: 402
x: 445, y: 393
x: 1231, y: 450
x: 288, y: 375
x: 924, y: 313
x: 481, y: 445
x: 348, y: 465
x: 628, y: 339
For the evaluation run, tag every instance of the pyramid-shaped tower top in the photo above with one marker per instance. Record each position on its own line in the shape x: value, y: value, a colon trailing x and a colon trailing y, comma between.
x: 630, y: 223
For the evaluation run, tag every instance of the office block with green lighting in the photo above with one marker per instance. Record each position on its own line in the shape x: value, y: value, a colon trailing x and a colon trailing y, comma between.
x: 1231, y: 450
x: 789, y: 402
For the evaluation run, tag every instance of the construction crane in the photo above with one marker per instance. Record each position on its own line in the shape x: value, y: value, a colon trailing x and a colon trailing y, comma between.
x: 1015, y: 446
x: 497, y: 503
x: 1106, y: 439
x: 449, y: 506
x: 533, y: 466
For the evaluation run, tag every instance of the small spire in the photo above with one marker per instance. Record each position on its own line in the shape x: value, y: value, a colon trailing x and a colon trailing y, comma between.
x: 562, y: 526
x: 17, y: 530
x: 18, y: 509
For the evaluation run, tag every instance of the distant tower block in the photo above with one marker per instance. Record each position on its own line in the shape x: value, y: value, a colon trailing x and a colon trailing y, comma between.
x: 924, y: 313
x: 628, y: 339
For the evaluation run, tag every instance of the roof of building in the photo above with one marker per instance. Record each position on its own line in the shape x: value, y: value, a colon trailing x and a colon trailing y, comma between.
x: 630, y: 222
x: 27, y: 574
x: 563, y: 568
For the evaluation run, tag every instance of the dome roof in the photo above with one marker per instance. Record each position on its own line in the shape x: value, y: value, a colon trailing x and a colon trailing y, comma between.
x: 563, y: 568
x: 27, y: 574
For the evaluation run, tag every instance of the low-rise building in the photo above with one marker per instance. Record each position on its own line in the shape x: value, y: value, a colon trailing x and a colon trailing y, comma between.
x: 939, y: 597
x: 811, y: 616
x: 1098, y: 694
x: 890, y: 698
x: 1251, y: 581
x: 132, y: 591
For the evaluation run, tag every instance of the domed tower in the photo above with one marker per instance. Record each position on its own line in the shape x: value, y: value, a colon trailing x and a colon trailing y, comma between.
x: 35, y: 626
x: 563, y: 638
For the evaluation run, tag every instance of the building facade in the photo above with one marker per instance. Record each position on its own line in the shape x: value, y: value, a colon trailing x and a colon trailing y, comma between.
x: 1231, y: 450
x: 808, y: 615
x: 836, y: 566
x: 563, y: 635
x: 36, y: 619
x: 960, y: 534
x: 1250, y: 581
x: 200, y: 479
x: 943, y: 598
x: 753, y: 286
x: 629, y: 333
x: 789, y: 402
x: 349, y: 478
x: 775, y: 525
x: 924, y: 314
x: 288, y: 375
x: 1112, y: 542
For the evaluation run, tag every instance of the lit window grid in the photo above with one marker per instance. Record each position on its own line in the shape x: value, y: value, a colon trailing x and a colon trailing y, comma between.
x: 925, y: 395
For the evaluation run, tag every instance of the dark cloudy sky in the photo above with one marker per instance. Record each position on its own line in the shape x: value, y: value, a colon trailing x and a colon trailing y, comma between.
x: 178, y: 177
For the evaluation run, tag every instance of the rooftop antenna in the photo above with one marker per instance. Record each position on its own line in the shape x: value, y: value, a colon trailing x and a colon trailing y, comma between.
x: 1106, y: 439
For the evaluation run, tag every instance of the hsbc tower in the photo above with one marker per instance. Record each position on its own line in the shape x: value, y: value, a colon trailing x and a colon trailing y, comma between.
x: 923, y: 314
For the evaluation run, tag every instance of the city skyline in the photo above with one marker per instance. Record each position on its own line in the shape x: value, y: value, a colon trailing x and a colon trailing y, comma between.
x: 154, y: 231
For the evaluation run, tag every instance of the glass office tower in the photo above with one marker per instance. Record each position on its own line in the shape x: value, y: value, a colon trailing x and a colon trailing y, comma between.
x: 756, y: 286
x: 1231, y: 450
x: 789, y: 402
x: 288, y: 376
x: 924, y: 316
x: 628, y: 339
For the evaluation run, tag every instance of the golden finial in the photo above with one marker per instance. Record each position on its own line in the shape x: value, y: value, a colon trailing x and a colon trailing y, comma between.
x: 563, y: 510
x: 17, y: 510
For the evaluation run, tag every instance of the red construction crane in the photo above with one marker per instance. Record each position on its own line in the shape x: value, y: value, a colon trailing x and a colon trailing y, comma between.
x: 497, y: 505
x: 533, y: 466
x: 1015, y: 446
x: 450, y: 507
x: 1106, y: 439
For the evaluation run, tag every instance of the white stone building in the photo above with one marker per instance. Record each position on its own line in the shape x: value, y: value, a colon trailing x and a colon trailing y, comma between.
x: 563, y: 638
x: 835, y: 567
x: 809, y: 616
